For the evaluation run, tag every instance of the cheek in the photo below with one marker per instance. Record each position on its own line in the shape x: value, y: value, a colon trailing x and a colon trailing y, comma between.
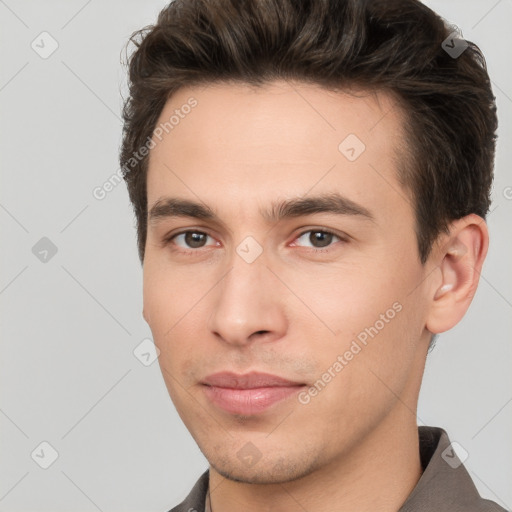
x: 167, y: 292
x: 175, y: 308
x: 163, y: 301
x: 377, y: 323
x: 341, y: 300
x: 371, y: 368
x: 155, y: 296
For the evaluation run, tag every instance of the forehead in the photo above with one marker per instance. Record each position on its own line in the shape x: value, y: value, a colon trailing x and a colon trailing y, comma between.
x: 282, y: 115
x: 282, y: 137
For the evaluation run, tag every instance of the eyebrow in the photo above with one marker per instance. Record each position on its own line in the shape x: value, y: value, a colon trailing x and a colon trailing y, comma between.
x: 333, y: 203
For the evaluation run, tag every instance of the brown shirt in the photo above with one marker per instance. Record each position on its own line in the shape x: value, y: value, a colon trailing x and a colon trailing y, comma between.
x: 444, y: 486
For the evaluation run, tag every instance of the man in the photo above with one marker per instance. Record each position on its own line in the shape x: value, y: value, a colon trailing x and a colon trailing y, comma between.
x: 310, y: 181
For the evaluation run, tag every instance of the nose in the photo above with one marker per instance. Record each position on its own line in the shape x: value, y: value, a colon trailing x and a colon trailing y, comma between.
x: 248, y: 304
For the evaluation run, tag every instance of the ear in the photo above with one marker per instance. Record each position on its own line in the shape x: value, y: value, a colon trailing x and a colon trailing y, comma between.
x: 460, y: 255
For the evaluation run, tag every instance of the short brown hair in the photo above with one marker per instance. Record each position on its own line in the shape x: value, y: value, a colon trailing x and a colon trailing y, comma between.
x: 382, y: 45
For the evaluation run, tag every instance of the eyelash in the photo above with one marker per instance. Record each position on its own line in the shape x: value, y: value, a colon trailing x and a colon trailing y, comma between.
x: 169, y: 239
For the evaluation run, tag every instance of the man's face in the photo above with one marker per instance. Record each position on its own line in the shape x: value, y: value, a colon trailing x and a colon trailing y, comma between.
x: 339, y: 314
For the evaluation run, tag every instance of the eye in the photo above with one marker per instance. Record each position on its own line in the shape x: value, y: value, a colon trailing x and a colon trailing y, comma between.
x: 191, y: 239
x: 318, y: 238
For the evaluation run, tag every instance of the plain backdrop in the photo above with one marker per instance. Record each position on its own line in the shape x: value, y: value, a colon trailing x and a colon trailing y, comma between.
x: 71, y: 319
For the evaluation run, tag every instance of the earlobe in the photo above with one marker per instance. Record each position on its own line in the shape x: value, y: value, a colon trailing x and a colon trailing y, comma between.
x: 460, y: 259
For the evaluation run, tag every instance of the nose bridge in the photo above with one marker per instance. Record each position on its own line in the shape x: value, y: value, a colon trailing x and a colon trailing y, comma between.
x: 243, y: 304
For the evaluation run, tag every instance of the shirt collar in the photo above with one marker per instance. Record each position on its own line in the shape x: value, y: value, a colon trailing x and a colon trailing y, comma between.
x: 445, y: 484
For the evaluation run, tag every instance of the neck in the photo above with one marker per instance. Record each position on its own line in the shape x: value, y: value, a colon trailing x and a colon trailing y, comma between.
x: 379, y: 473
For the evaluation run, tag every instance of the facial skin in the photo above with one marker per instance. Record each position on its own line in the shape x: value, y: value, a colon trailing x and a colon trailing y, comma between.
x: 292, y: 311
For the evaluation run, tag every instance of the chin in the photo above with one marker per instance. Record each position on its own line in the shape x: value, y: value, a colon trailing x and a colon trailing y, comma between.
x: 264, y: 472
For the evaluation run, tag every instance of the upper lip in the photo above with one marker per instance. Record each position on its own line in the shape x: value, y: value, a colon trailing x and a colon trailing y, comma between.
x: 247, y: 381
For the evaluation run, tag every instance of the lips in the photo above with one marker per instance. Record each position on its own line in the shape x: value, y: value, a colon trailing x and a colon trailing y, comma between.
x: 247, y: 381
x: 248, y: 394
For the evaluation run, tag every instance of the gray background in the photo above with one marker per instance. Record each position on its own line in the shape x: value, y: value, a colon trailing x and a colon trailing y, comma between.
x: 70, y: 325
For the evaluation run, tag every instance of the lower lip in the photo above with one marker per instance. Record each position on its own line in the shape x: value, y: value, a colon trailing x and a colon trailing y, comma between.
x: 249, y: 401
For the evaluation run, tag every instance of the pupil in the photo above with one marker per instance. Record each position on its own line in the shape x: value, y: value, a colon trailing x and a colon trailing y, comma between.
x: 194, y: 239
x: 317, y: 237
